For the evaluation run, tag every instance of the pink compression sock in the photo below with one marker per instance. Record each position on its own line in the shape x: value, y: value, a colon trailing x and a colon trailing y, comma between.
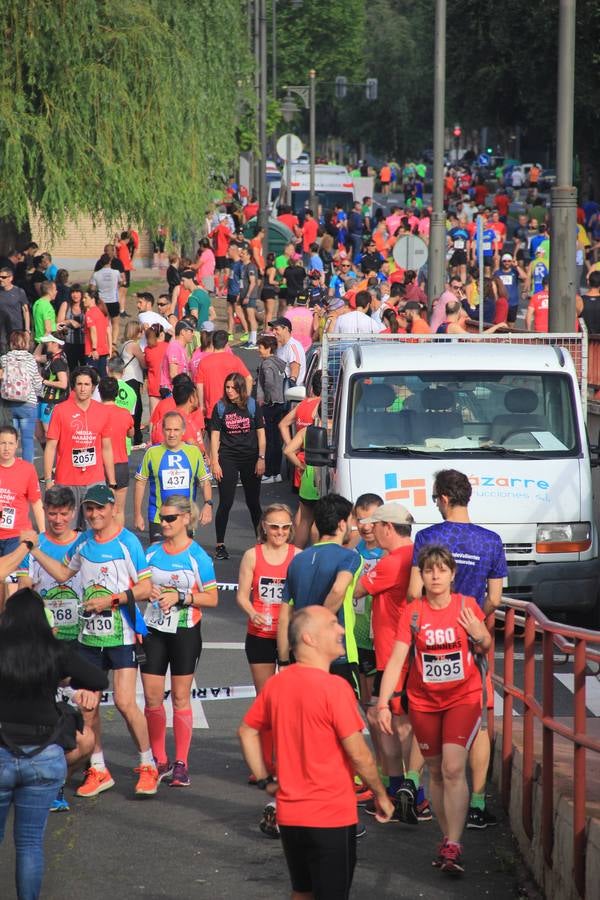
x: 183, y: 723
x: 156, y: 718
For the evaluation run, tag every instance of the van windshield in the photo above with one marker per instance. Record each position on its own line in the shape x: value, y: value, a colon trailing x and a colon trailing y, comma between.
x: 434, y: 413
x: 326, y: 200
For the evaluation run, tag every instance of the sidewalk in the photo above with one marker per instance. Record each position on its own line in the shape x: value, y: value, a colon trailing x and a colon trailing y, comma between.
x: 557, y: 882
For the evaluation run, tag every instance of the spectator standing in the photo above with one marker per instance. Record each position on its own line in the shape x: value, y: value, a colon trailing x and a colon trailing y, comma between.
x: 270, y: 395
x: 70, y: 322
x: 20, y: 387
x: 176, y: 360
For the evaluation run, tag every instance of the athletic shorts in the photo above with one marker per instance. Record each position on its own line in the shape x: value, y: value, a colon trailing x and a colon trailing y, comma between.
x: 457, y: 725
x: 221, y: 262
x: 45, y: 411
x: 458, y: 258
x: 113, y: 309
x: 366, y: 661
x: 249, y: 303
x: 127, y: 277
x: 320, y: 860
x: 512, y: 313
x: 121, y: 475
x: 108, y: 658
x: 233, y: 298
x: 180, y: 651
x: 396, y: 701
x: 349, y: 672
x: 261, y: 649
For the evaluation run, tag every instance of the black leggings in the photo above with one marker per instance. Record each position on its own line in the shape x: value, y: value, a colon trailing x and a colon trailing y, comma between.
x: 137, y: 412
x: 227, y: 485
x: 273, y: 415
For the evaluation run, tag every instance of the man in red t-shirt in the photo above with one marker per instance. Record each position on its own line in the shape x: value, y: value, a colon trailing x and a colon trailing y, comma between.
x: 184, y: 400
x: 537, y: 311
x: 310, y: 230
x: 387, y: 582
x: 317, y: 735
x: 221, y: 236
x: 214, y: 369
x: 19, y: 487
x: 120, y: 427
x: 79, y: 441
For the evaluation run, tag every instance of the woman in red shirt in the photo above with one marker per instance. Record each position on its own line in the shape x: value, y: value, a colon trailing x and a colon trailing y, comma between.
x: 442, y: 633
x: 155, y: 349
x: 97, y: 332
x: 262, y: 575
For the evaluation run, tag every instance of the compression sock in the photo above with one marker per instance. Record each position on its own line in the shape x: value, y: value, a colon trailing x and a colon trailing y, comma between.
x: 156, y: 718
x: 477, y: 801
x: 97, y: 761
x: 414, y: 776
x: 183, y: 723
x: 146, y: 758
x: 420, y: 794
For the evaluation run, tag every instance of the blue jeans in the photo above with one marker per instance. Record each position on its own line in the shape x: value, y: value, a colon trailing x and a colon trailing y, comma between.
x: 24, y: 416
x: 31, y: 785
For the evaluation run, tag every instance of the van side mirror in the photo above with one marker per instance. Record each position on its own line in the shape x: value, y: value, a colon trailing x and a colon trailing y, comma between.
x: 316, y: 448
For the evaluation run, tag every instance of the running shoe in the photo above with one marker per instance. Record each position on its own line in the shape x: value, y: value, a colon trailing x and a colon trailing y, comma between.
x: 406, y: 797
x: 94, y: 782
x: 480, y: 818
x: 360, y: 830
x: 60, y: 804
x: 231, y: 337
x: 268, y: 479
x: 268, y: 824
x: 438, y: 862
x: 141, y: 446
x: 124, y: 315
x: 250, y: 346
x: 277, y: 479
x: 221, y: 552
x: 165, y: 770
x: 181, y: 777
x: 451, y: 855
x: 147, y: 782
x: 363, y: 795
x: 243, y: 337
x: 370, y: 808
x: 252, y: 779
x: 424, y: 813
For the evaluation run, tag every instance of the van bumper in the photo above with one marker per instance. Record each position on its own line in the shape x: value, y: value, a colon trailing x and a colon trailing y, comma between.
x: 560, y: 586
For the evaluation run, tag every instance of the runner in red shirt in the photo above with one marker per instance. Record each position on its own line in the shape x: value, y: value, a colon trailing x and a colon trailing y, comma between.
x: 19, y: 487
x: 119, y: 427
x: 97, y: 333
x: 261, y: 579
x: 214, y: 369
x: 310, y: 230
x: 79, y: 440
x: 221, y: 236
x: 317, y: 733
x: 154, y: 351
x: 440, y: 635
x: 184, y: 400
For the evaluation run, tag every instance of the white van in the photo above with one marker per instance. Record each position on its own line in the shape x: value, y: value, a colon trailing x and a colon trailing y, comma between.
x: 333, y: 185
x: 508, y: 414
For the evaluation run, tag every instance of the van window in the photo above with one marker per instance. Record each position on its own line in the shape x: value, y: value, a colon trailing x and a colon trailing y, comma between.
x: 325, y: 199
x: 433, y: 412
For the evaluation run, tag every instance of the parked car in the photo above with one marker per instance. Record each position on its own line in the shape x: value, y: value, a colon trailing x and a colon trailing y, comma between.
x: 548, y: 179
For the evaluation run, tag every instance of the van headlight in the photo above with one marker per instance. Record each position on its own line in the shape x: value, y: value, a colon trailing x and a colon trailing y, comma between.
x: 563, y: 537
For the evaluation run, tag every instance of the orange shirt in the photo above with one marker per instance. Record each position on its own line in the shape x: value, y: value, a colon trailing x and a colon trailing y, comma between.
x: 385, y: 174
x: 387, y: 582
x: 194, y: 424
x: 119, y: 422
x: 419, y: 326
x: 211, y: 374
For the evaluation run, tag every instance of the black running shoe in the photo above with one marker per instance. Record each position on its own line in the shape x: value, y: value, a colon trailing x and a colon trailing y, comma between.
x: 406, y: 799
x: 480, y: 818
x: 221, y: 552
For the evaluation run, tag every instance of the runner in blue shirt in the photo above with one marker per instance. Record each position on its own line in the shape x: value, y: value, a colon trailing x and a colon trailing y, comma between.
x: 480, y: 570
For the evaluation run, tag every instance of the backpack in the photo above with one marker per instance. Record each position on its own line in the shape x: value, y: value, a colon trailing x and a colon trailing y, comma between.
x: 250, y: 406
x: 16, y: 379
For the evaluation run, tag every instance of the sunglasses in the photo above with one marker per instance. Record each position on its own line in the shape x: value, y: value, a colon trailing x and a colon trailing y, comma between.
x: 275, y: 526
x: 4, y: 277
x: 171, y: 517
x: 163, y: 304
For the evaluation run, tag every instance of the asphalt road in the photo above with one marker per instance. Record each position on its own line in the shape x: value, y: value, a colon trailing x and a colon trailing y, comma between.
x: 203, y: 841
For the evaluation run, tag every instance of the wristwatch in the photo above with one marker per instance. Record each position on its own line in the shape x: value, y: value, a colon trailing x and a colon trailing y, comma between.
x: 181, y: 595
x: 262, y: 783
x: 113, y: 486
x: 260, y: 457
x: 29, y: 544
x: 115, y: 602
x: 208, y: 503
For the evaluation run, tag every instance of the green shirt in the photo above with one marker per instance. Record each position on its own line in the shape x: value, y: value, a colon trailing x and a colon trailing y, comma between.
x: 199, y: 302
x: 126, y: 399
x: 43, y: 311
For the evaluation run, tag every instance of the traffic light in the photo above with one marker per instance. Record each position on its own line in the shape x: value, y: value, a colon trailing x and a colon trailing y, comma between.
x: 489, y: 150
x: 457, y: 131
x: 371, y: 89
x: 341, y: 86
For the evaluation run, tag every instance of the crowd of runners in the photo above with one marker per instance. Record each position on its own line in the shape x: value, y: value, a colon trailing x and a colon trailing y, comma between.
x: 334, y: 587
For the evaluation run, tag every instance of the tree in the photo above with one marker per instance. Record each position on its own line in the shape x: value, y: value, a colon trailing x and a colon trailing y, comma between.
x: 125, y: 110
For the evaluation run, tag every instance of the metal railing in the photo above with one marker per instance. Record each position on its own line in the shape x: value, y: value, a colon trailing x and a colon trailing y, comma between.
x: 583, y: 647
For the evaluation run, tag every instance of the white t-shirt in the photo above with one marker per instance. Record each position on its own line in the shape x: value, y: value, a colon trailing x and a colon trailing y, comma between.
x: 107, y: 281
x: 292, y: 352
x: 356, y: 323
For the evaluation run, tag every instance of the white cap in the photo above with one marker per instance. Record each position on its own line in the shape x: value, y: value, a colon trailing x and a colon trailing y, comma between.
x: 506, y: 256
x: 51, y: 339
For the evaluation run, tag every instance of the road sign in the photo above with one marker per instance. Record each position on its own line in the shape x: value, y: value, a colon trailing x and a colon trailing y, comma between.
x: 410, y: 252
x: 289, y: 147
x: 483, y: 159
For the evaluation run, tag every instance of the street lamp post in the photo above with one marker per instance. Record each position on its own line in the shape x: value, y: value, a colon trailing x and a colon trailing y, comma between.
x: 306, y: 92
x: 263, y: 212
x: 436, y: 272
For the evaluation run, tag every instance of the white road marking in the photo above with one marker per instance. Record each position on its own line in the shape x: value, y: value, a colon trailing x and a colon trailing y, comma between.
x: 592, y: 691
x: 226, y: 645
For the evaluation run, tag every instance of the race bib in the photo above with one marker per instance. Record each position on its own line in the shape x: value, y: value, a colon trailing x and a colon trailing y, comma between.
x: 83, y: 457
x: 359, y: 605
x: 100, y: 624
x: 459, y: 245
x: 154, y: 617
x: 7, y: 517
x: 65, y: 612
x: 270, y: 590
x: 175, y: 478
x: 443, y: 668
x: 487, y: 245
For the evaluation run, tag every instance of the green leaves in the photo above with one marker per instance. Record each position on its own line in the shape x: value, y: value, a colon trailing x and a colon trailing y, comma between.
x: 125, y: 109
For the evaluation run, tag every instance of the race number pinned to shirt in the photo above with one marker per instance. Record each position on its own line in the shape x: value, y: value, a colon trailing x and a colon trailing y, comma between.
x: 7, y: 517
x: 65, y: 612
x: 162, y: 621
x: 270, y: 590
x: 175, y: 478
x: 100, y: 624
x: 440, y: 668
x: 83, y: 457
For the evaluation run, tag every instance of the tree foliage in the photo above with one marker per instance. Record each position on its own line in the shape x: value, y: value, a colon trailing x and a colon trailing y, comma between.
x: 122, y: 109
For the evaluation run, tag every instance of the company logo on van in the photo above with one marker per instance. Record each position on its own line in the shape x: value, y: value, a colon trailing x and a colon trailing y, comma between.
x: 412, y: 489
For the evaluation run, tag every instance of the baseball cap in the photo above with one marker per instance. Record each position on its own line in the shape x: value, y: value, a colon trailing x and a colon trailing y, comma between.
x: 100, y: 494
x: 390, y: 512
x: 281, y: 321
x: 207, y: 326
x: 189, y: 273
x: 51, y: 339
x: 506, y: 256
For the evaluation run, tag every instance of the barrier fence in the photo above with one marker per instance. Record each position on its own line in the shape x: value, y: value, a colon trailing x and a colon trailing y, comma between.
x: 583, y: 647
